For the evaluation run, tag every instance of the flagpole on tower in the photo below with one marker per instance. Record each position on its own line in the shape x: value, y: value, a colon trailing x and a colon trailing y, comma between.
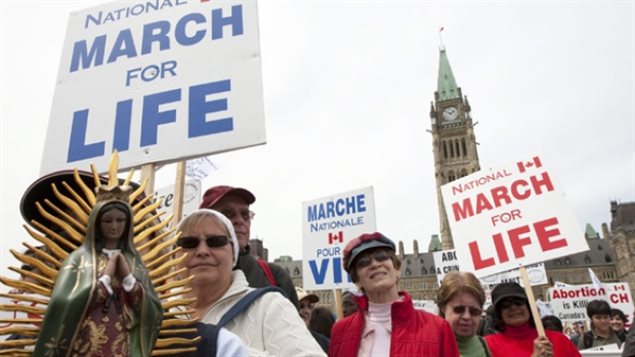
x: 441, y: 37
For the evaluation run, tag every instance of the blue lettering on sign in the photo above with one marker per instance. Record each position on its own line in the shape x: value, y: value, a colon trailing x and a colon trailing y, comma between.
x: 135, y: 10
x: 84, y: 57
x: 199, y: 109
x: 319, y: 274
x: 77, y: 148
x: 152, y: 118
x: 337, y: 208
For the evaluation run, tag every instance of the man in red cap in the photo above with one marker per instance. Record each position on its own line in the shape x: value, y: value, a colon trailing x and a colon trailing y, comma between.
x: 234, y: 203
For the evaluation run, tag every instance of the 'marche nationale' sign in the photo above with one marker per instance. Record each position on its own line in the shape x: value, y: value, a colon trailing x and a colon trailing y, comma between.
x: 157, y: 80
x: 510, y: 216
x: 328, y: 224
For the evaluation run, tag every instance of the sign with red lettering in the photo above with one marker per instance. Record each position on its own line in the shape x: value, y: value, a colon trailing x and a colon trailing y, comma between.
x: 510, y: 216
x: 569, y: 303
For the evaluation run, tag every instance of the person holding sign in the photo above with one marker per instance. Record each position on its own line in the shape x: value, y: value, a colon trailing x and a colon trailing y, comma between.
x: 518, y: 334
x: 386, y: 323
x: 460, y: 299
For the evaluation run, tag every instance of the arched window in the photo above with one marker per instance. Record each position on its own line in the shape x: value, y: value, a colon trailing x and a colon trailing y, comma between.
x: 408, y: 272
x: 296, y: 271
x: 607, y: 258
x: 464, y: 147
x: 424, y: 271
x: 451, y: 149
x: 567, y: 261
x: 587, y: 259
x: 445, y: 150
x: 599, y: 246
x: 456, y: 144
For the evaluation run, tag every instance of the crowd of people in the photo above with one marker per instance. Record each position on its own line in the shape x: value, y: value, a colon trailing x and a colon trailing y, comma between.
x: 247, y: 306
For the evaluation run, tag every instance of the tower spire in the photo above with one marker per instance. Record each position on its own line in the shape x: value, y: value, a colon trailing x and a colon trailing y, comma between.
x: 446, y: 84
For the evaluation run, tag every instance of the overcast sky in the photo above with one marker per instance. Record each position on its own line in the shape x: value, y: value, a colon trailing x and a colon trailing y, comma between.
x: 347, y: 92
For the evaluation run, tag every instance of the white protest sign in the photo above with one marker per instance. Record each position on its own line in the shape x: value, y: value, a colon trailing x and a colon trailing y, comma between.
x: 191, y: 197
x: 158, y: 81
x: 426, y: 305
x: 328, y: 224
x: 446, y: 261
x: 199, y: 168
x: 510, y: 216
x: 569, y: 303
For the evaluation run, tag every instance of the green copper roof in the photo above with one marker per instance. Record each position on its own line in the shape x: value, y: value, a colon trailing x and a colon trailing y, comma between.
x: 446, y: 84
x: 590, y: 233
x: 435, y: 244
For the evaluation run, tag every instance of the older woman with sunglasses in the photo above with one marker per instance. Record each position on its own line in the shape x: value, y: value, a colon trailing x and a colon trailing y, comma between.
x: 460, y: 299
x: 270, y: 326
x: 518, y: 335
x: 386, y: 323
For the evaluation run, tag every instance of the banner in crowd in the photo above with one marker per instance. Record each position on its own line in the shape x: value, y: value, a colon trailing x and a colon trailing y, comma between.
x: 569, y: 302
x: 446, y: 261
x: 328, y: 224
x: 510, y: 216
x: 191, y: 198
x: 158, y: 81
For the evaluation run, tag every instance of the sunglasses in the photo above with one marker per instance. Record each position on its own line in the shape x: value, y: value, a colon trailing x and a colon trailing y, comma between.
x: 506, y: 304
x: 473, y: 310
x: 245, y: 214
x: 212, y: 241
x: 365, y: 260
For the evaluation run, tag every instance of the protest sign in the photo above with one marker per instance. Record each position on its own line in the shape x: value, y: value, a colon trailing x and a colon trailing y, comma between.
x: 191, y: 198
x: 569, y: 302
x: 328, y: 224
x: 159, y: 81
x: 426, y: 305
x: 510, y: 216
x: 447, y: 260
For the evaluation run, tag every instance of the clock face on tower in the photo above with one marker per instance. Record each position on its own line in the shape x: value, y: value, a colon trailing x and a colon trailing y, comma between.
x: 450, y: 114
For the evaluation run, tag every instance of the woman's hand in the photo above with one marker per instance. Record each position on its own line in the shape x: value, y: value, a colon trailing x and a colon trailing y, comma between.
x: 542, y: 347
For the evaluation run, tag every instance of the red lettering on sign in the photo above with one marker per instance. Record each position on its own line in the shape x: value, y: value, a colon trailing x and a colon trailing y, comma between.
x: 544, y: 233
x: 518, y: 190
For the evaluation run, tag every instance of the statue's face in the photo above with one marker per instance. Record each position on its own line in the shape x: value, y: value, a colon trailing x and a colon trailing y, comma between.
x: 113, y: 224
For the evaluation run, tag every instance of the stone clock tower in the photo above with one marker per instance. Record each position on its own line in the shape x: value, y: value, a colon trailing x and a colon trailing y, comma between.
x: 453, y: 141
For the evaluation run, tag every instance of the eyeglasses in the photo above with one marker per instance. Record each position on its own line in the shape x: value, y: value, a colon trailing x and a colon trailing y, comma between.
x: 506, y: 304
x: 246, y: 214
x: 473, y: 310
x: 212, y: 241
x: 365, y: 260
x: 305, y: 305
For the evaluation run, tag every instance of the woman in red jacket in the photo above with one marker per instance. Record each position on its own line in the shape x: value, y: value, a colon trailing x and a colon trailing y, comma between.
x: 386, y: 323
x: 518, y: 335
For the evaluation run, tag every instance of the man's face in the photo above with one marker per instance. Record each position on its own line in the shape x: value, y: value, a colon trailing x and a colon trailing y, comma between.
x: 236, y: 210
x: 305, y: 310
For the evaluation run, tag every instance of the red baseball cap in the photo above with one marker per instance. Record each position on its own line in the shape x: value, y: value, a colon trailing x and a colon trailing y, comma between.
x: 214, y: 194
x: 364, y: 242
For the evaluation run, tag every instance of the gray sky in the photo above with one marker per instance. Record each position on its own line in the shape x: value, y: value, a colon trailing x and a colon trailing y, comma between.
x: 347, y: 88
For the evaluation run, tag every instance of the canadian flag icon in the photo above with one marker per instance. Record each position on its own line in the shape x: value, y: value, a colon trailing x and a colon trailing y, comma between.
x: 533, y: 163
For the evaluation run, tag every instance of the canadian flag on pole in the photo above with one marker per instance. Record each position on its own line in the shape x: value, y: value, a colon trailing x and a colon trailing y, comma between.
x: 440, y: 28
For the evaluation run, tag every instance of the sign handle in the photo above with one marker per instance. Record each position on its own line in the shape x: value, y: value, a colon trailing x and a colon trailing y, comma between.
x: 178, y: 192
x: 532, y: 301
x: 337, y: 293
x: 147, y: 172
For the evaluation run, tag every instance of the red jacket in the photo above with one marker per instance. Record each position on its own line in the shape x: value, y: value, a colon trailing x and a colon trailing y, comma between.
x: 521, y: 340
x: 414, y: 332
